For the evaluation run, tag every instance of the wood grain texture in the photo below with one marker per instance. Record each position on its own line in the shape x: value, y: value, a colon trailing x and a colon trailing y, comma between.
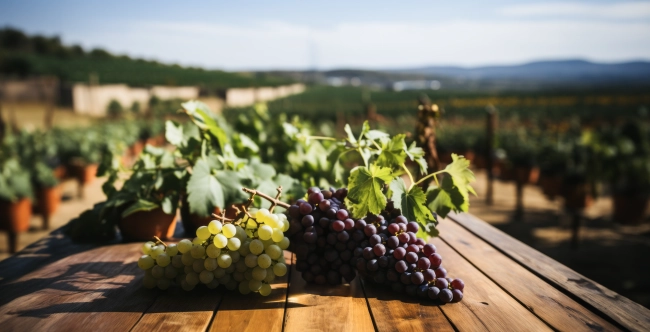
x: 393, y: 311
x: 542, y: 299
x: 325, y: 308
x: 624, y: 311
x: 253, y: 312
x: 98, y: 289
x: 485, y: 306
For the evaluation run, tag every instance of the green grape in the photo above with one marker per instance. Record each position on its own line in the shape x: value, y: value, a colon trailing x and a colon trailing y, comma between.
x: 220, y: 241
x: 210, y: 264
x: 224, y: 261
x: 170, y: 272
x: 145, y: 262
x: 241, y: 266
x: 230, y: 269
x: 270, y: 276
x: 187, y: 286
x: 284, y: 243
x: 251, y: 260
x: 155, y: 251
x: 234, y: 244
x: 212, y: 251
x: 262, y: 214
x: 149, y: 282
x: 225, y: 279
x: 285, y: 225
x: 177, y: 261
x: 254, y: 285
x: 238, y: 276
x: 206, y: 276
x: 277, y: 235
x: 219, y: 272
x: 198, y: 251
x: 265, y: 290
x: 188, y: 269
x: 192, y: 278
x: 197, y: 266
x: 264, y: 261
x: 184, y: 246
x: 213, y: 284
x: 179, y: 278
x: 280, y: 269
x: 273, y: 251
x: 259, y: 273
x: 197, y: 241
x: 248, y: 274
x: 256, y: 247
x: 203, y: 233
x: 187, y: 259
x: 163, y: 260
x: 272, y: 221
x: 235, y: 256
x: 172, y: 250
x: 240, y: 233
x: 244, y: 249
x: 215, y: 227
x: 146, y: 248
x: 229, y: 230
x: 243, y: 288
x: 157, y: 271
x: 163, y: 283
x: 265, y: 232
x: 267, y: 243
x: 232, y: 285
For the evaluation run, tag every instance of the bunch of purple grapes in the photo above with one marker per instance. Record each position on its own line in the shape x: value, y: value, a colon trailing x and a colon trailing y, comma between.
x: 397, y: 258
x: 322, y: 235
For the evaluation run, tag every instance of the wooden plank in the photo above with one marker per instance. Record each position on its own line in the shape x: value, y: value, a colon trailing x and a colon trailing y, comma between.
x: 251, y: 312
x: 179, y: 310
x: 485, y: 306
x: 393, y: 311
x: 542, y: 299
x: 325, y: 308
x: 99, y: 289
x: 622, y: 310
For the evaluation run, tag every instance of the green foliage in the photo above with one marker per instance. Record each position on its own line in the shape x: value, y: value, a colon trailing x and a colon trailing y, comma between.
x: 114, y: 109
x: 15, y: 182
x: 366, y: 189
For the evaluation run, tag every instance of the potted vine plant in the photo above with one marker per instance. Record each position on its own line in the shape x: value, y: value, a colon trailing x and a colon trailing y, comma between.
x: 48, y: 192
x: 15, y: 200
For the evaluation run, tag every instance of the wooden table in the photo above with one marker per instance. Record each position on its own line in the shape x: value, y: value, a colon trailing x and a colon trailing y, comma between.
x: 60, y: 286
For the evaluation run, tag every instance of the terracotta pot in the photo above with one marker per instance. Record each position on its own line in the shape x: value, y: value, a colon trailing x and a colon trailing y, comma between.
x: 629, y: 209
x: 136, y: 148
x: 85, y: 174
x: 527, y: 174
x: 551, y: 185
x: 144, y: 225
x: 48, y: 201
x: 153, y: 141
x: 60, y: 172
x: 14, y: 216
x: 577, y: 196
x: 192, y: 221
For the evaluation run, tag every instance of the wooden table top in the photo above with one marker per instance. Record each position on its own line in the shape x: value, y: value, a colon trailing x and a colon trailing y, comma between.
x: 57, y: 285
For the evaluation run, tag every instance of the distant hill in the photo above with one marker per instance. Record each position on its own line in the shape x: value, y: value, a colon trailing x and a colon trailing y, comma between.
x: 22, y: 55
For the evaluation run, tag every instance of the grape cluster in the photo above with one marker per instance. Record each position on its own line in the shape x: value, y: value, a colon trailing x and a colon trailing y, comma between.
x: 324, y: 237
x: 245, y: 254
x: 396, y: 257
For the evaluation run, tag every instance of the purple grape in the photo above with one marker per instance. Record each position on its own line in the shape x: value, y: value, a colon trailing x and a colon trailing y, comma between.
x: 383, y: 261
x: 327, y: 194
x: 435, y: 260
x: 423, y: 263
x: 312, y: 190
x: 391, y: 275
x: 457, y: 295
x: 412, y: 227
x: 310, y: 237
x: 442, y: 283
x: 423, y: 291
x: 370, y: 230
x: 445, y: 296
x: 433, y: 292
x: 294, y: 211
x: 331, y: 238
x: 420, y: 242
x: 342, y: 214
x: 307, y: 221
x: 358, y: 236
x: 315, y: 198
x: 413, y: 248
x: 305, y: 208
x: 400, y: 266
x: 392, y: 242
x: 401, y: 220
x: 349, y: 224
x: 429, y: 249
x: 458, y: 284
x: 368, y: 253
x: 360, y: 224
x: 324, y: 205
x: 361, y: 265
x: 417, y: 278
x: 343, y: 236
x: 374, y: 239
x: 331, y: 213
x: 379, y: 249
x: 399, y: 253
x: 405, y: 278
x: 372, y: 265
x: 393, y: 229
x: 412, y: 237
x: 404, y: 238
x: 411, y: 257
x: 338, y: 226
x: 429, y: 275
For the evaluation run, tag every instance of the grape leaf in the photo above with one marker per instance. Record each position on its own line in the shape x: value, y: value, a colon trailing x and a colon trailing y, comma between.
x: 415, y: 153
x: 204, y: 191
x: 412, y: 203
x: 448, y: 197
x: 393, y: 153
x: 139, y: 205
x: 376, y: 134
x: 365, y: 189
x: 200, y: 114
x: 173, y: 133
x: 463, y: 176
x: 348, y: 131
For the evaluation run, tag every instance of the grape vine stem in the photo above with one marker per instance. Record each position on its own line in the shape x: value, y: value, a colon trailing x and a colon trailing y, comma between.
x: 267, y: 197
x: 159, y: 241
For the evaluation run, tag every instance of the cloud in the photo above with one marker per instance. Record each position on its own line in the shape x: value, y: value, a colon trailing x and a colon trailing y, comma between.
x: 625, y: 10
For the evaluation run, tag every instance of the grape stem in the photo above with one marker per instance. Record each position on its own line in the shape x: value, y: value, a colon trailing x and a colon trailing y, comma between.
x: 222, y: 218
x: 159, y: 241
x: 277, y: 198
x: 267, y: 197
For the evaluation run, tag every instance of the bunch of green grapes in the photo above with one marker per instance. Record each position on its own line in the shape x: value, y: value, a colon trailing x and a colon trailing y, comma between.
x: 245, y: 254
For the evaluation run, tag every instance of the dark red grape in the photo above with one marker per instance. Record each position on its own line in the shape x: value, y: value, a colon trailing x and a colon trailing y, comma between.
x: 305, y: 208
x: 324, y: 205
x: 423, y: 291
x: 391, y: 275
x: 411, y: 257
x: 372, y: 265
x: 429, y: 249
x: 433, y: 292
x: 327, y: 194
x: 457, y: 284
x: 405, y: 278
x: 412, y: 227
x: 393, y: 229
x: 360, y: 224
x: 435, y: 260
x: 315, y: 198
x: 412, y: 238
x: 312, y: 190
x: 383, y: 261
x: 440, y: 272
x: 392, y: 242
x: 294, y: 211
x: 310, y: 237
x: 413, y: 248
x: 417, y: 278
x: 401, y: 220
x: 442, y: 283
x: 457, y: 295
x: 338, y: 225
x: 399, y: 254
x: 331, y: 213
x: 349, y: 224
x: 401, y: 266
x: 403, y: 238
x: 370, y: 230
x: 368, y: 253
x: 342, y: 214
x: 429, y: 275
x: 445, y: 296
x: 420, y: 242
x: 307, y: 221
x: 423, y: 263
x: 379, y: 249
x: 343, y: 236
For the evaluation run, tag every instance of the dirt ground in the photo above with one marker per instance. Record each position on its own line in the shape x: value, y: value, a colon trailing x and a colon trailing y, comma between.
x: 612, y: 255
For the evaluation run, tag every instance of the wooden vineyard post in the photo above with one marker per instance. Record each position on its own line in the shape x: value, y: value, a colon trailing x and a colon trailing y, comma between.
x: 426, y: 130
x: 491, y: 125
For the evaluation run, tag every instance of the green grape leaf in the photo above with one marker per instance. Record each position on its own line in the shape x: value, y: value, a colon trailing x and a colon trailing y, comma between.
x: 415, y: 153
x: 262, y: 170
x: 201, y: 116
x: 248, y: 143
x: 174, y: 133
x: 365, y: 128
x: 365, y: 189
x: 448, y: 197
x: 231, y: 183
x: 139, y: 205
x: 267, y: 187
x: 204, y: 190
x: 348, y: 131
x: 376, y: 134
x: 412, y: 203
x: 393, y: 154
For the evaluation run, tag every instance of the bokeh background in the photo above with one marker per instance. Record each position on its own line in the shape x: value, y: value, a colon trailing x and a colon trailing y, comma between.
x: 568, y: 84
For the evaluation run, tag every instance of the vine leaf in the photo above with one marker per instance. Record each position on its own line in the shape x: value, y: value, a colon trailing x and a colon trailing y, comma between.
x: 393, y: 153
x: 204, y: 190
x: 139, y: 205
x: 365, y: 189
x: 416, y: 153
x: 413, y: 204
x: 174, y: 133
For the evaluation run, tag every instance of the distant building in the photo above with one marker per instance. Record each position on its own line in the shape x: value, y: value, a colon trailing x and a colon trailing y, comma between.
x: 416, y: 85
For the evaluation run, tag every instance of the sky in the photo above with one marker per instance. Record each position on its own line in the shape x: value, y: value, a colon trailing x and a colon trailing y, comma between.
x: 262, y: 35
